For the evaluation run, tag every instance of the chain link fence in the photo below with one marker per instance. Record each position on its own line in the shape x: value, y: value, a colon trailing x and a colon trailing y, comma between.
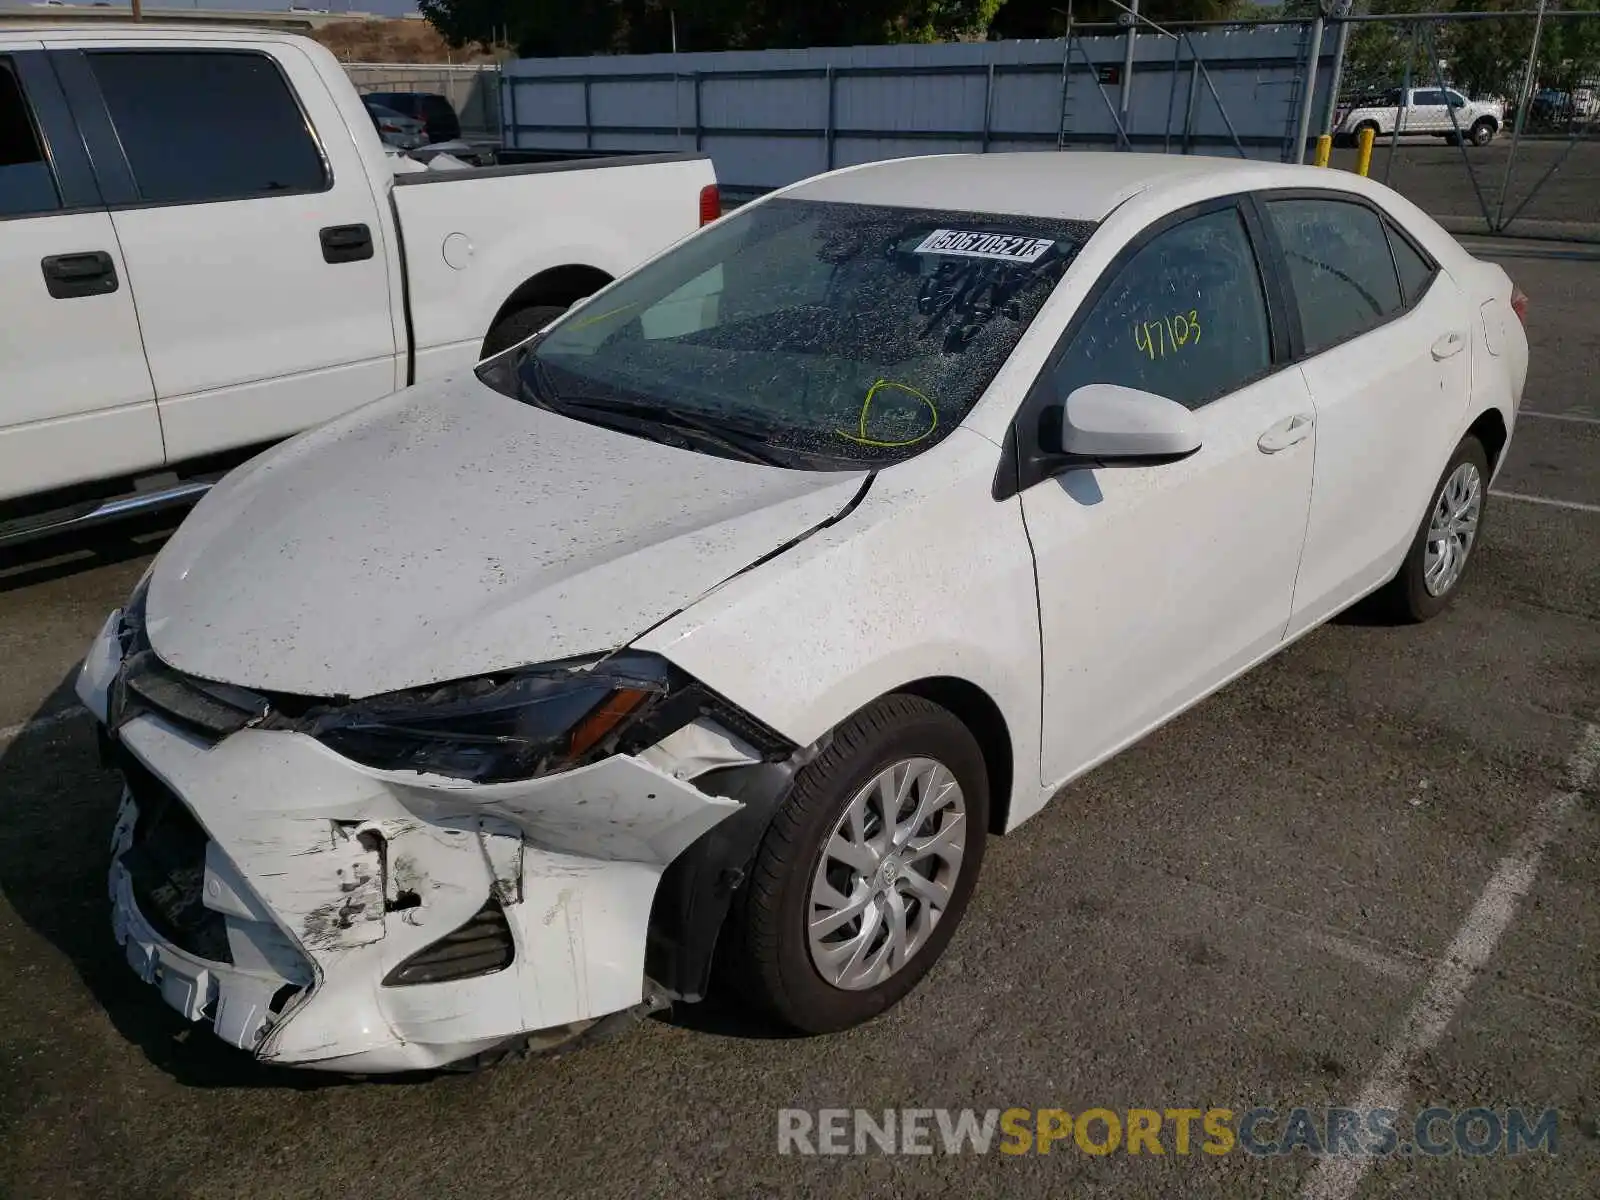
x: 1534, y: 76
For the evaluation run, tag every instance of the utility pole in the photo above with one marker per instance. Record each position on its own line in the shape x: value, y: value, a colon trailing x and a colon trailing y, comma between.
x: 1130, y: 18
x: 138, y: 10
x: 1338, y: 11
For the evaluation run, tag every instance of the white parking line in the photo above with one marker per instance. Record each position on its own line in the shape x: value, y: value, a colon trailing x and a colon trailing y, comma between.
x: 11, y: 732
x: 1338, y: 1178
x: 1544, y: 416
x: 1527, y: 499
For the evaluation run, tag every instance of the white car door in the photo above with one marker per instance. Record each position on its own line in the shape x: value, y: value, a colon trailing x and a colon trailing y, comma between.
x: 1386, y: 337
x: 1158, y: 583
x: 254, y: 247
x: 1427, y: 113
x: 76, y: 402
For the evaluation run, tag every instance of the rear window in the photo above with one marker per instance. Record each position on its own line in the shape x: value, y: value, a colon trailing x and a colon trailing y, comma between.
x: 845, y: 334
x: 208, y: 125
x: 1340, y: 265
x: 1416, y: 272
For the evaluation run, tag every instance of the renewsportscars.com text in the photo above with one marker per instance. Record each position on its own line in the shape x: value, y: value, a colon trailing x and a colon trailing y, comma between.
x: 1260, y: 1131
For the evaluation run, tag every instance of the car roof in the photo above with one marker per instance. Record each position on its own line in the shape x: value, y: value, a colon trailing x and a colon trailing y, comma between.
x: 44, y: 30
x: 1072, y: 184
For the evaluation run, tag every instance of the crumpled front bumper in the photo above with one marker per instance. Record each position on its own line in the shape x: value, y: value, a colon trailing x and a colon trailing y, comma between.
x: 329, y: 876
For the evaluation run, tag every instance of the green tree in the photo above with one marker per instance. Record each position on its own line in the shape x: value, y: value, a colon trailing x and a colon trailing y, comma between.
x: 1048, y: 19
x: 555, y: 27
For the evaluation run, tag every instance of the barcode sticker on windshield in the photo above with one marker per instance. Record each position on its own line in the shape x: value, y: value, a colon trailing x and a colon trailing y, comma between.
x: 966, y: 243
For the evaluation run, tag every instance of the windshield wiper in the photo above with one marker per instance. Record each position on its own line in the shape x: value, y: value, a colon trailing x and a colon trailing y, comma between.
x: 743, y: 438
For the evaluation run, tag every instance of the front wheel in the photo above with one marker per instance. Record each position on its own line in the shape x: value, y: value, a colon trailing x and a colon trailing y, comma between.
x: 1437, y: 560
x: 867, y: 868
x: 1482, y: 132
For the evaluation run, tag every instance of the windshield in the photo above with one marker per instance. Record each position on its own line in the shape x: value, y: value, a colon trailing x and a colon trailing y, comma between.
x: 805, y: 334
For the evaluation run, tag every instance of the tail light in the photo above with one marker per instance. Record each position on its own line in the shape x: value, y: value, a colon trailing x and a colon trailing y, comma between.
x: 710, y: 204
x: 1519, y: 303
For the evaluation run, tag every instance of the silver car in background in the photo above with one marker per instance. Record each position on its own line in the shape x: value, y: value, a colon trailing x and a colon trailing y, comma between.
x: 396, y: 129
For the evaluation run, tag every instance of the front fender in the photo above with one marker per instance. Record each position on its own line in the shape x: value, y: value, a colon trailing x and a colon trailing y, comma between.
x: 928, y: 577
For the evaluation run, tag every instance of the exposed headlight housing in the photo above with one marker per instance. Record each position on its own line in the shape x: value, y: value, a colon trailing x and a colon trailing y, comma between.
x: 523, y: 724
x: 498, y: 728
x: 512, y: 725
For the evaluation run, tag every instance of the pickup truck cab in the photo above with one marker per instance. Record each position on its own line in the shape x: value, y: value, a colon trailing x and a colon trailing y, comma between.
x: 205, y: 248
x: 1422, y: 110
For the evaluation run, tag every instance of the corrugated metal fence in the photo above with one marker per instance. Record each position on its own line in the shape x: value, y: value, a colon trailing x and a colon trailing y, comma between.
x: 768, y: 118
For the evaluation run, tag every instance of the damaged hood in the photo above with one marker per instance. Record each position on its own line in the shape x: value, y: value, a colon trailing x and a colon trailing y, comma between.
x: 450, y: 531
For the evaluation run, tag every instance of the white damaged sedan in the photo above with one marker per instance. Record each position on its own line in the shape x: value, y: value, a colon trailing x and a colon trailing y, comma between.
x: 726, y: 617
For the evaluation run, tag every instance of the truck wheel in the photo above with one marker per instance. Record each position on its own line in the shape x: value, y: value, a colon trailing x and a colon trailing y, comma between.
x: 1372, y: 125
x: 1482, y: 131
x: 866, y: 869
x: 518, y: 326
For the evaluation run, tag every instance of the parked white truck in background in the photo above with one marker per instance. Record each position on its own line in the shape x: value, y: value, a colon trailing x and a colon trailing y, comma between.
x: 204, y: 249
x: 1422, y: 110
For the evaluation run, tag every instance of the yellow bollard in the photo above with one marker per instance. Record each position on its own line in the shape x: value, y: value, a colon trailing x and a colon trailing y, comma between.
x: 1324, y: 149
x: 1364, y: 150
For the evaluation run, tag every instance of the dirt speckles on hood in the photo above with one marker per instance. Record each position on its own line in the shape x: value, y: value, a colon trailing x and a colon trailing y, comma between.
x: 452, y: 532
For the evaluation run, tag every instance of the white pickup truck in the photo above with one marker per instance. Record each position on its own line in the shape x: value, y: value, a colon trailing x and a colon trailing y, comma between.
x: 204, y: 248
x: 1422, y: 110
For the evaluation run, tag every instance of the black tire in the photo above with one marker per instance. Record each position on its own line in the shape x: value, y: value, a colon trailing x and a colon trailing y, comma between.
x: 1372, y: 125
x: 518, y: 326
x: 1482, y: 131
x: 1406, y: 597
x: 770, y: 957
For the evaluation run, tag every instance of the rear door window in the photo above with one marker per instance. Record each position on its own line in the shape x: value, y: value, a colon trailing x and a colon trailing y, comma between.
x: 26, y: 182
x: 1340, y: 266
x: 1185, y: 318
x: 208, y: 125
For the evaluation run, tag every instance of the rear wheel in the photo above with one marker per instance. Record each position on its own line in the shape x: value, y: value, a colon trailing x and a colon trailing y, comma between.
x: 1439, y: 555
x: 867, y: 869
x: 518, y: 326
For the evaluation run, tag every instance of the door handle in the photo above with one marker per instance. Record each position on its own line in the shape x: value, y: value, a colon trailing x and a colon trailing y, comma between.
x: 1286, y: 433
x: 1453, y: 342
x: 69, y: 276
x: 346, y: 243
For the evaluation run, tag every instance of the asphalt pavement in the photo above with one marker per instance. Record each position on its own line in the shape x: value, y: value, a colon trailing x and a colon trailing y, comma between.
x: 1367, y: 873
x: 1546, y: 187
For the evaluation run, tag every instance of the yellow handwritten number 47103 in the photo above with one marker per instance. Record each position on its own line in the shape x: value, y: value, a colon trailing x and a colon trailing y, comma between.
x: 1168, y: 335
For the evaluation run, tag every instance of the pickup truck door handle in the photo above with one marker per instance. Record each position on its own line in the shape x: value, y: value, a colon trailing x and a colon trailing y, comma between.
x: 1453, y: 342
x: 69, y: 276
x: 346, y: 243
x: 1286, y: 433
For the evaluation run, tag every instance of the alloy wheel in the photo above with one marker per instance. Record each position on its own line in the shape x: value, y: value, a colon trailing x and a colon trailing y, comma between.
x: 886, y: 873
x: 1452, y: 529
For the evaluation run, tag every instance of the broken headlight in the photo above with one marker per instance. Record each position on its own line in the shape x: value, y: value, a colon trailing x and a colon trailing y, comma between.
x: 500, y: 728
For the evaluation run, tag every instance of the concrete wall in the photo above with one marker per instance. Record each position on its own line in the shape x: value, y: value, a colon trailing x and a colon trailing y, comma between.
x: 472, y: 90
x: 770, y: 117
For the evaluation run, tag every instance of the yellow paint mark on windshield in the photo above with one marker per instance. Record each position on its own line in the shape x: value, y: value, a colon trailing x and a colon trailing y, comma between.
x: 860, y: 436
x: 595, y: 320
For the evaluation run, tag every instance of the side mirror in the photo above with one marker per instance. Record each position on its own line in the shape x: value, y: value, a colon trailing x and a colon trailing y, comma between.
x: 1108, y: 421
